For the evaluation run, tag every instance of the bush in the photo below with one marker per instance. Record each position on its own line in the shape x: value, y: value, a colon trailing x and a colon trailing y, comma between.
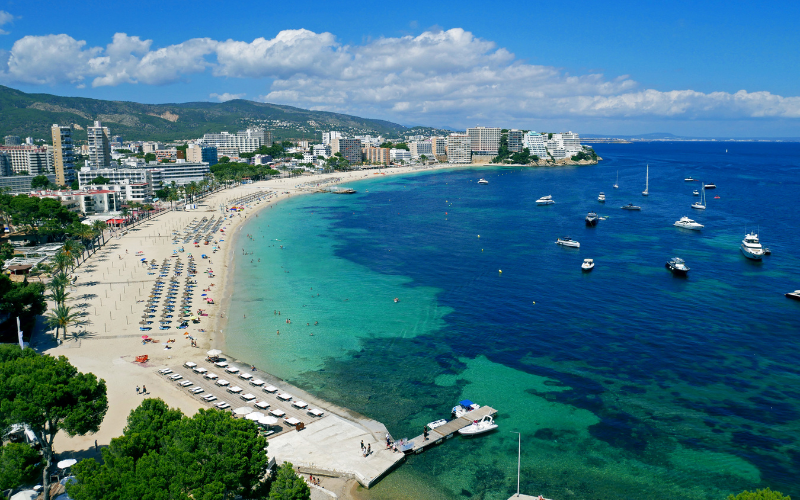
x: 765, y: 494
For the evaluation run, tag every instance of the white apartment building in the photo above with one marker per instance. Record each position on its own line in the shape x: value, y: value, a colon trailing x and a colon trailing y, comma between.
x: 515, y: 140
x: 535, y: 143
x: 398, y: 155
x: 138, y: 192
x: 89, y: 201
x: 368, y: 140
x: 419, y: 148
x: 572, y: 143
x: 154, y: 178
x: 350, y: 149
x: 99, y: 139
x: 181, y: 172
x: 32, y: 159
x: 19, y: 184
x: 329, y: 137
x: 133, y: 162
x: 245, y: 141
x: 322, y: 150
x: 485, y: 141
x: 459, y: 148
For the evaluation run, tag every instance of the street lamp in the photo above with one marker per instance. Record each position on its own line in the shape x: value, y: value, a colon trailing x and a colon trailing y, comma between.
x: 519, y: 457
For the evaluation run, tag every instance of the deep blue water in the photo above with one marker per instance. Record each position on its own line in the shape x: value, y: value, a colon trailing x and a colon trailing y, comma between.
x: 626, y: 382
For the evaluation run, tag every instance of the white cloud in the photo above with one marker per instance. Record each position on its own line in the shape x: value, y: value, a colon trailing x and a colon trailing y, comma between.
x: 440, y: 76
x: 5, y: 18
x: 226, y: 96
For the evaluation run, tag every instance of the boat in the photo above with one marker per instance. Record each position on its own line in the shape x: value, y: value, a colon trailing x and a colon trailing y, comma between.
x: 696, y: 192
x: 751, y: 247
x: 437, y: 423
x: 482, y: 426
x: 646, y: 182
x: 396, y: 300
x: 483, y: 181
x: 676, y: 265
x: 701, y: 205
x: 588, y: 264
x: 591, y: 219
x: 710, y: 186
x: 630, y: 206
x: 767, y: 251
x: 566, y: 241
x: 545, y: 200
x: 794, y: 295
x: 601, y: 197
x: 616, y: 184
x: 689, y: 179
x: 463, y: 407
x: 687, y: 223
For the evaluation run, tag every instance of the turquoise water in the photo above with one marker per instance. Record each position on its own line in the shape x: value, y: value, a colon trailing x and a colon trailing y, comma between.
x: 625, y: 382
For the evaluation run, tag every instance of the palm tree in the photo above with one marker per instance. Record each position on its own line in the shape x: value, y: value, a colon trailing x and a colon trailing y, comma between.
x: 61, y: 317
x: 100, y: 227
x: 59, y: 295
x: 62, y: 261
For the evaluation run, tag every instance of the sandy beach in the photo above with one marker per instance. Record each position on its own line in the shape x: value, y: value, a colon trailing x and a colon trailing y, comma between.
x: 114, y: 284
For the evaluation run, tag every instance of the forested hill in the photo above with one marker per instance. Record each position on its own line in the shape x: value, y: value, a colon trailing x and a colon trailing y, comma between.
x: 32, y: 115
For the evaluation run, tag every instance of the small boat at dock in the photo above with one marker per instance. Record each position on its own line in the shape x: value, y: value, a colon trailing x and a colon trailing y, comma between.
x: 482, y: 426
x: 463, y: 407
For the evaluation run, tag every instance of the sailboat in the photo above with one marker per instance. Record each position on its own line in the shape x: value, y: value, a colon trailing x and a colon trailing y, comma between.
x: 616, y: 184
x: 646, y: 182
x: 701, y: 205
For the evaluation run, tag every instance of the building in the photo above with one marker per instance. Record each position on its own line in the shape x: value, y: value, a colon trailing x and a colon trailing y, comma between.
x: 89, y: 201
x: 485, y: 141
x: 154, y: 178
x: 199, y: 152
x: 376, y: 156
x: 515, y: 140
x: 245, y: 141
x: 117, y: 140
x: 459, y: 148
x: 439, y: 147
x: 166, y: 154
x: 12, y: 140
x: 152, y: 147
x: 261, y: 159
x: 571, y: 143
x: 63, y: 157
x: 535, y: 143
x: 420, y: 148
x: 138, y: 192
x: 181, y: 172
x: 99, y: 139
x: 19, y: 184
x: 33, y: 160
x: 350, y: 149
x: 368, y: 140
x: 322, y: 150
x: 329, y: 137
x: 400, y: 155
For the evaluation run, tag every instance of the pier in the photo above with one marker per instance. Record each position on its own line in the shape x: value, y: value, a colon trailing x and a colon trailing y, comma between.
x: 447, y: 431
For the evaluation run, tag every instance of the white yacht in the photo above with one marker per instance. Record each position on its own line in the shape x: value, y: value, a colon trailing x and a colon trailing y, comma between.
x: 482, y: 426
x: 751, y: 247
x: 688, y: 223
x: 566, y: 241
x: 588, y: 264
x: 601, y: 198
x: 483, y: 181
x: 696, y: 192
x: 677, y: 266
x: 647, y: 183
x: 701, y: 205
x: 545, y: 200
x: 616, y: 184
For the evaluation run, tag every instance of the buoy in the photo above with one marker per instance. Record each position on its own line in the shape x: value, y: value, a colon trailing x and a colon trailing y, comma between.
x: 534, y: 301
x: 501, y: 271
x: 479, y: 236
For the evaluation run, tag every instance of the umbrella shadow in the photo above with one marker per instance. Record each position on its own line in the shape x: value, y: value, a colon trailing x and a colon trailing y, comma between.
x: 88, y: 296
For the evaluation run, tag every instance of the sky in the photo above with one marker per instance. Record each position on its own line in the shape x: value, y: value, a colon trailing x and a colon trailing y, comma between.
x: 702, y: 69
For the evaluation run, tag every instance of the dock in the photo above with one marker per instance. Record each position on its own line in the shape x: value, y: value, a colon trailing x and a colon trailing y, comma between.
x: 448, y: 430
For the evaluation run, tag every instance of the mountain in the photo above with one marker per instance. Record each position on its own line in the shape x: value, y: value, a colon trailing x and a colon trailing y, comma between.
x: 31, y: 115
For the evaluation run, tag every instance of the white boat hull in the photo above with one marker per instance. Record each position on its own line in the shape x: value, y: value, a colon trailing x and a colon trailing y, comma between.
x: 476, y: 429
x: 751, y: 255
x: 698, y: 206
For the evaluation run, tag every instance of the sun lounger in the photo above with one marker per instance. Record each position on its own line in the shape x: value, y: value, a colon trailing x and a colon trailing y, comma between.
x: 262, y: 405
x: 245, y: 376
x: 223, y: 383
x: 199, y: 370
x: 235, y: 389
x: 270, y: 388
x: 196, y: 390
x: 292, y: 421
x: 277, y: 413
x: 316, y: 412
x: 212, y: 376
x: 222, y: 405
x: 185, y: 383
x: 248, y: 397
x: 209, y: 397
x: 176, y: 376
x: 221, y: 364
x: 164, y: 371
x: 189, y: 364
x: 257, y: 382
x: 232, y: 369
x: 300, y: 404
x: 284, y: 397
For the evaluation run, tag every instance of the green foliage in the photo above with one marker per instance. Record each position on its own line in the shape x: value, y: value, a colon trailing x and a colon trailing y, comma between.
x: 40, y: 181
x: 6, y: 251
x: 19, y: 465
x: 277, y: 150
x: 124, y: 151
x: 163, y: 454
x: 288, y: 485
x: 765, y: 494
x: 504, y: 131
x: 225, y: 172
x: 582, y: 155
x: 399, y: 145
x: 148, y: 157
x: 75, y: 185
x: 100, y: 180
x: 549, y: 136
x: 223, y: 159
x: 21, y: 299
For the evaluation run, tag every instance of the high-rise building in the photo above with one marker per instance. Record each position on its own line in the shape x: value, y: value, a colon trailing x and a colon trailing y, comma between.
x: 419, y: 148
x: 439, y: 146
x: 459, y: 148
x: 515, y: 140
x: 34, y: 160
x: 5, y: 164
x: 329, y: 137
x: 535, y: 142
x: 199, y: 152
x: 63, y: 157
x: 99, y: 146
x: 485, y: 141
x: 12, y: 140
x: 380, y: 156
x: 350, y: 149
x: 400, y: 155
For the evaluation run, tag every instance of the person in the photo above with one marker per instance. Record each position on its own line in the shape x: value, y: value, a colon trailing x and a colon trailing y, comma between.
x: 425, y: 432
x: 137, y: 392
x: 144, y: 389
x: 362, y: 441
x: 369, y: 449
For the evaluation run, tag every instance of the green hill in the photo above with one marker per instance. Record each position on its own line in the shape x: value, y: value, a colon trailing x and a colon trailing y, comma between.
x: 31, y: 115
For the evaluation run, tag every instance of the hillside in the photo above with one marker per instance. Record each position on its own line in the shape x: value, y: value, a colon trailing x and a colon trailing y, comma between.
x: 32, y: 115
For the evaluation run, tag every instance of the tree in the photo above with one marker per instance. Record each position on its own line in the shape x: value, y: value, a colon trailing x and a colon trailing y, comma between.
x: 149, y: 157
x: 288, y: 486
x: 19, y: 464
x: 765, y: 494
x: 223, y: 159
x: 163, y: 454
x: 62, y: 317
x: 100, y: 180
x: 40, y: 181
x: 21, y: 299
x: 75, y: 185
x: 50, y: 395
x: 100, y: 227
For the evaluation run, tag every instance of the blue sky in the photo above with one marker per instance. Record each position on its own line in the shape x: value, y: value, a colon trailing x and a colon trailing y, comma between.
x: 700, y: 69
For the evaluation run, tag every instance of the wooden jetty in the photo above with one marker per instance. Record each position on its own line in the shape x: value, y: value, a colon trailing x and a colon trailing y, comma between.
x: 448, y: 430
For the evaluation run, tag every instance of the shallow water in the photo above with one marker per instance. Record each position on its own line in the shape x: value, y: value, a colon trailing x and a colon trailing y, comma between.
x: 625, y: 382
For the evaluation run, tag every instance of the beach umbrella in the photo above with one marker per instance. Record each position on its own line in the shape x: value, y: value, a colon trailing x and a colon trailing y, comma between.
x: 243, y: 410
x: 268, y: 420
x: 256, y: 415
x: 145, y: 336
x: 145, y: 322
x: 214, y: 352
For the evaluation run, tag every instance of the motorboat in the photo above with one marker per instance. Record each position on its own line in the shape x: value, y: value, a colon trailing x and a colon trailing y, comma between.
x: 647, y: 182
x: 616, y: 184
x: 601, y: 197
x: 631, y: 206
x: 591, y: 219
x: 751, y: 247
x: 588, y: 264
x: 701, y: 205
x: 794, y: 295
x: 482, y: 426
x: 696, y: 192
x: 687, y: 223
x: 545, y: 200
x: 566, y: 241
x: 689, y: 179
x: 710, y: 186
x: 463, y: 407
x: 676, y: 265
x: 437, y: 423
x: 483, y: 181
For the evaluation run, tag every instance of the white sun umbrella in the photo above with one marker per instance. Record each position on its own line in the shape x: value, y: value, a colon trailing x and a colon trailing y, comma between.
x: 243, y: 410
x: 256, y: 415
x: 268, y: 420
x: 66, y: 463
x: 214, y: 352
x: 25, y: 495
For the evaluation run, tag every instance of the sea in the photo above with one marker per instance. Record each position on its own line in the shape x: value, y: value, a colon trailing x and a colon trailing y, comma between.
x: 625, y: 382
